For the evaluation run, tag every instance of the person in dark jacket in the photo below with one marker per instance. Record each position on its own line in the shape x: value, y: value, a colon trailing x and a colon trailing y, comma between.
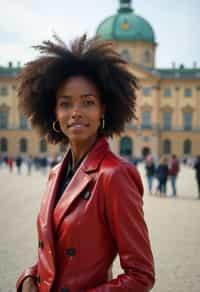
x: 197, y: 170
x: 150, y: 172
x: 173, y: 173
x: 162, y: 175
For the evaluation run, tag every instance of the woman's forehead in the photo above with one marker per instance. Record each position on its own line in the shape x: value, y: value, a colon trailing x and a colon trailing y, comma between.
x: 77, y: 85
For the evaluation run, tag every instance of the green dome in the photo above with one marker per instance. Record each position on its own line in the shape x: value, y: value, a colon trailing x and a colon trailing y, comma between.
x: 126, y: 26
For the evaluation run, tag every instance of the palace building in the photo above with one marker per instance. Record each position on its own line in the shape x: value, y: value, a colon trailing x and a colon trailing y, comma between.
x: 168, y: 104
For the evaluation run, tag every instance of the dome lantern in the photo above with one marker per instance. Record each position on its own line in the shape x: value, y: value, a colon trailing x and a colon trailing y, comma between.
x: 125, y: 6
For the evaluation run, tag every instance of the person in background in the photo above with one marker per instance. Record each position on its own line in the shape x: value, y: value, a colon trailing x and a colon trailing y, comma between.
x: 197, y: 170
x: 162, y: 175
x: 18, y: 162
x: 92, y: 208
x: 174, y: 168
x: 29, y: 163
x: 150, y: 172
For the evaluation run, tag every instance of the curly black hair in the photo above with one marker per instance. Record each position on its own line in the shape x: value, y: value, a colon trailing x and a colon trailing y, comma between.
x: 91, y: 58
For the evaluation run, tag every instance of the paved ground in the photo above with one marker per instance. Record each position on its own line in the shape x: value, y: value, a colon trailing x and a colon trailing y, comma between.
x: 174, y: 226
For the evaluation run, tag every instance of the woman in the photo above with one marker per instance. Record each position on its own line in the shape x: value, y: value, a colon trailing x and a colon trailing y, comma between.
x: 162, y: 175
x: 92, y: 207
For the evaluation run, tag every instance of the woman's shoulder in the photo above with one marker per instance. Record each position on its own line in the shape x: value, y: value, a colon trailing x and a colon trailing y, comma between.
x: 116, y: 166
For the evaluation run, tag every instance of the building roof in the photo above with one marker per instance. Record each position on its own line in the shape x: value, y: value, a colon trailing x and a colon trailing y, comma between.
x: 163, y: 73
x: 126, y: 26
x: 7, y: 72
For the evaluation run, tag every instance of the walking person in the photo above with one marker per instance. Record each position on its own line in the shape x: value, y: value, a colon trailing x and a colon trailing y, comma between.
x: 18, y: 162
x: 173, y: 173
x: 162, y: 175
x: 150, y: 172
x: 197, y: 170
x: 92, y: 208
x: 29, y: 163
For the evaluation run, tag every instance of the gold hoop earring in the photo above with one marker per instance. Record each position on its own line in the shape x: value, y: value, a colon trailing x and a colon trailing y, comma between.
x: 54, y: 127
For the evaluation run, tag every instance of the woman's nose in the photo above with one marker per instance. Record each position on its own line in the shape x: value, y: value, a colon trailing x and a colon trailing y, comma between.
x: 76, y: 112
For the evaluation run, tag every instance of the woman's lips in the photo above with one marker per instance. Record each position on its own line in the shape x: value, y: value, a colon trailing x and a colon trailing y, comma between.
x: 78, y: 126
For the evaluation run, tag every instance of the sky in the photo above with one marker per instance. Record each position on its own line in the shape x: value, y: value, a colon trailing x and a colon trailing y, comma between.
x: 24, y: 23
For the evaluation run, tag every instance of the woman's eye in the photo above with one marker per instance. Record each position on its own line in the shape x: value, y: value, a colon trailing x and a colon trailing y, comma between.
x: 88, y: 102
x: 65, y: 104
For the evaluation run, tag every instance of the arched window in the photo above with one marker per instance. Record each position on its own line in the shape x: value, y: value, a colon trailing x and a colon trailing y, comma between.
x: 187, y: 146
x: 126, y: 56
x: 3, y: 119
x: 167, y: 117
x: 146, y: 119
x: 187, y: 120
x: 147, y: 56
x: 126, y: 146
x: 166, y: 146
x: 43, y: 146
x: 23, y: 145
x: 3, y: 145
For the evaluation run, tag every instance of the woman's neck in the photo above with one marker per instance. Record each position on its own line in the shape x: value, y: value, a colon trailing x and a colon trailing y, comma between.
x: 78, y: 150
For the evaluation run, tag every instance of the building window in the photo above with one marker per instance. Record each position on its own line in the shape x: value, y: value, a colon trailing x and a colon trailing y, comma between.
x: 146, y: 91
x: 187, y: 92
x: 167, y: 117
x: 3, y: 119
x: 23, y: 145
x: 43, y: 146
x: 146, y: 119
x: 187, y: 120
x: 23, y: 122
x: 3, y: 145
x: 126, y: 145
x: 147, y: 56
x: 187, y: 147
x: 126, y: 56
x: 4, y: 90
x: 167, y: 92
x: 166, y: 146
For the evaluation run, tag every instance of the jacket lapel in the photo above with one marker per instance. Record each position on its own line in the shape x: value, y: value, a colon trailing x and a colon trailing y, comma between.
x: 47, y: 205
x: 83, y: 176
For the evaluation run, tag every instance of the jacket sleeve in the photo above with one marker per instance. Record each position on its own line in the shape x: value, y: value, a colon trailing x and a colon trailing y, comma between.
x: 29, y: 272
x: 124, y: 208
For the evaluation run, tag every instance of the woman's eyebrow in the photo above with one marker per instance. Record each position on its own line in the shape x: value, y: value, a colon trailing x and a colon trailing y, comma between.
x: 88, y: 94
x: 82, y: 95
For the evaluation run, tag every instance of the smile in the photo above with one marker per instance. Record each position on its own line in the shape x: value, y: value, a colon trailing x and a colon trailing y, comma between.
x: 77, y: 126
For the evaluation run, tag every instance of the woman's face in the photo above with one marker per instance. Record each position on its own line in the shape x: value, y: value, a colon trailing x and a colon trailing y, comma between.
x: 79, y: 110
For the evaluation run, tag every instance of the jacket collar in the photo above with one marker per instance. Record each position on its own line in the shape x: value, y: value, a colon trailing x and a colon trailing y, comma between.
x: 92, y: 160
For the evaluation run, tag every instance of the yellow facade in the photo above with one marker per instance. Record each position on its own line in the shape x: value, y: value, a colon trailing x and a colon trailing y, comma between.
x: 168, y: 110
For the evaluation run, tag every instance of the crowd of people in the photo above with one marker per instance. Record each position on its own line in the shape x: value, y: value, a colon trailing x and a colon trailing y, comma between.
x: 164, y: 170
x: 168, y: 169
x: 41, y: 163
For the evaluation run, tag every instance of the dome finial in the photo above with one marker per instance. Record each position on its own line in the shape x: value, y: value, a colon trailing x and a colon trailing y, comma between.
x: 125, y: 5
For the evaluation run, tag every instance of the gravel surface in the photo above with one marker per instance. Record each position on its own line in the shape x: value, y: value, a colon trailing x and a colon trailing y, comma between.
x: 174, y: 227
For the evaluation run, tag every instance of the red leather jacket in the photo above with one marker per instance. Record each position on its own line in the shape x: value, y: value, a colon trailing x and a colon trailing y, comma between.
x: 98, y: 216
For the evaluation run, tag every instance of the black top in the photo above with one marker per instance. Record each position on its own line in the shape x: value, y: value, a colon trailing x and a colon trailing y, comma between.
x: 67, y: 175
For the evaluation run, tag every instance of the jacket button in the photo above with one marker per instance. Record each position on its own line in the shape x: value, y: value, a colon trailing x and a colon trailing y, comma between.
x: 38, y: 279
x: 86, y: 195
x: 41, y: 244
x: 71, y: 251
x: 64, y: 290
